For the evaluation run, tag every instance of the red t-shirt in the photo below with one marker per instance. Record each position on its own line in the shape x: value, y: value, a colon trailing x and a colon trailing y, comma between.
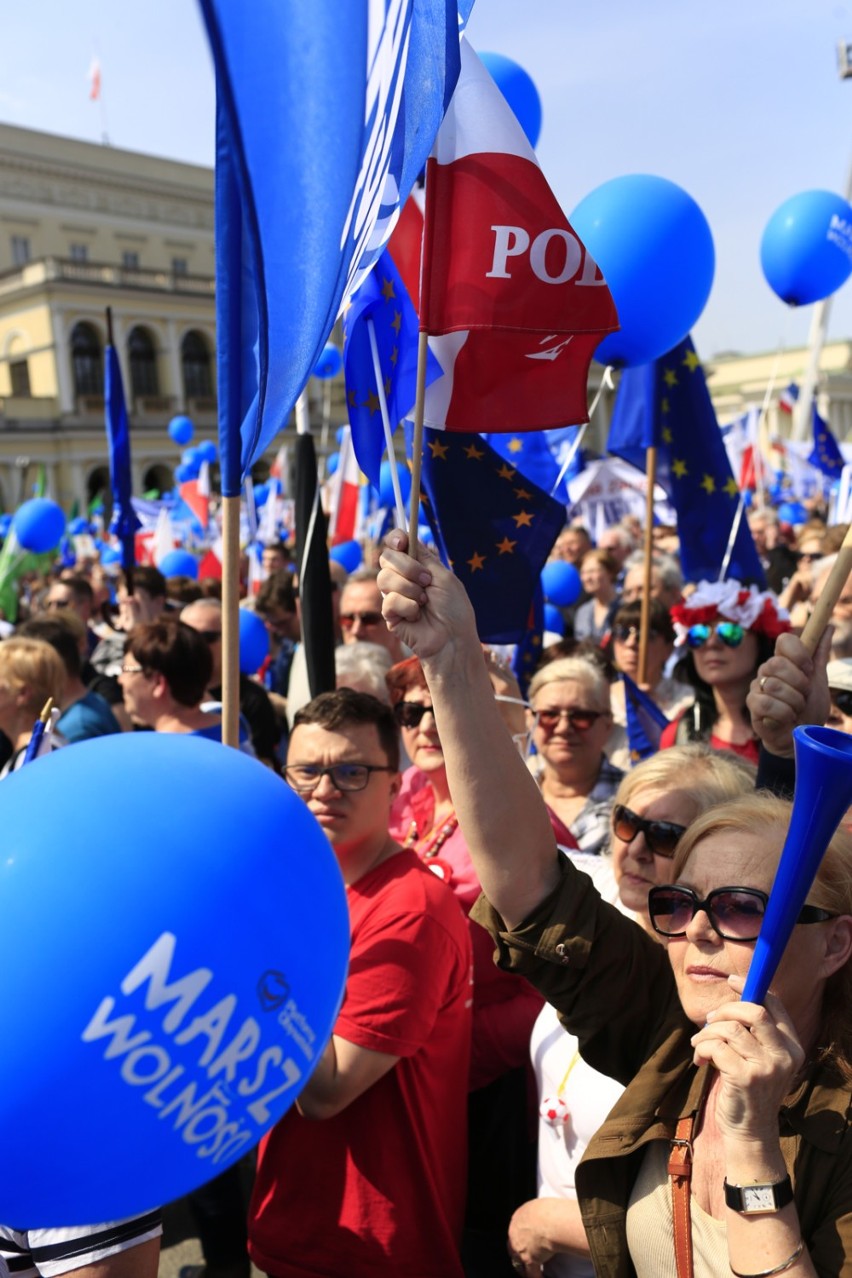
x: 378, y: 1191
x: 748, y: 750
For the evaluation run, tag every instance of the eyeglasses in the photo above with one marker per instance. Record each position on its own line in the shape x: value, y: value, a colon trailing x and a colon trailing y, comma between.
x: 346, y: 777
x: 50, y: 604
x: 625, y: 633
x: 662, y: 837
x: 729, y: 632
x: 735, y: 913
x: 132, y: 670
x: 348, y: 619
x: 408, y: 714
x: 809, y: 555
x: 842, y: 699
x: 579, y: 720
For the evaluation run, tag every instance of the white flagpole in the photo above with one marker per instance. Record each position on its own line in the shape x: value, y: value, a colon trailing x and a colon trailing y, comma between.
x: 606, y: 384
x: 386, y: 426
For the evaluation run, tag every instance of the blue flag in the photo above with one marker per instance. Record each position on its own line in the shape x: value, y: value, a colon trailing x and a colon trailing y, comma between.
x: 666, y: 404
x: 326, y: 114
x: 124, y: 520
x: 539, y: 456
x: 826, y: 454
x: 492, y: 526
x: 645, y: 721
x: 382, y: 299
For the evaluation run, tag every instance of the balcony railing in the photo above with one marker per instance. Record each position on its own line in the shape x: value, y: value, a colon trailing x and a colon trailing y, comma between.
x: 103, y: 274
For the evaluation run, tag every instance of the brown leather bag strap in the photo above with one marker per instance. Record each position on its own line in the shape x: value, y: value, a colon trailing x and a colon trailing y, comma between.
x: 680, y: 1173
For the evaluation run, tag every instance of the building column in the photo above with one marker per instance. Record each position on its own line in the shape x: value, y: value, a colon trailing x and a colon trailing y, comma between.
x: 175, y: 371
x: 62, y: 363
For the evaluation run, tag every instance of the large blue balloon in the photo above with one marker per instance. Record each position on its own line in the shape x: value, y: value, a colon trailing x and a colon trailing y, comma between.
x: 206, y: 451
x: 561, y: 583
x: 177, y: 998
x: 329, y: 363
x: 181, y: 429
x: 519, y: 91
x: 553, y: 619
x: 254, y: 642
x: 348, y: 554
x: 806, y: 249
x: 179, y: 563
x: 653, y: 244
x: 39, y: 525
x: 386, y: 495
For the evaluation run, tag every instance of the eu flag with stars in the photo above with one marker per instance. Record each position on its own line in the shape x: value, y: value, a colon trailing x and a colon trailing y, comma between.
x: 826, y: 454
x: 492, y: 526
x: 382, y: 298
x: 645, y: 721
x: 326, y: 114
x: 539, y: 456
x: 667, y: 405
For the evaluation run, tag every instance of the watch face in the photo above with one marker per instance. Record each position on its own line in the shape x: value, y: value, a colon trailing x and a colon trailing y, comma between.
x: 758, y: 1198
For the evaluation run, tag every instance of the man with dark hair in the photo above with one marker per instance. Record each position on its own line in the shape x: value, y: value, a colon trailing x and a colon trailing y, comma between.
x: 276, y: 605
x: 85, y: 714
x: 390, y: 1087
x: 361, y: 613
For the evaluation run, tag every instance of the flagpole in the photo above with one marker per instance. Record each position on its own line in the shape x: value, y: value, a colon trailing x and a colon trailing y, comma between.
x: 417, y: 446
x: 735, y: 528
x: 645, y: 614
x: 386, y: 425
x: 824, y: 606
x: 606, y: 384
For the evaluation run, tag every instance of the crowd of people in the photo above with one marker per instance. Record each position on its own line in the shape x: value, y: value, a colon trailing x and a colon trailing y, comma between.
x: 548, y: 938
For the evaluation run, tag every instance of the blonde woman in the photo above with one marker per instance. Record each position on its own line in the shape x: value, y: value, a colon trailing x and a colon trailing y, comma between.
x: 31, y: 672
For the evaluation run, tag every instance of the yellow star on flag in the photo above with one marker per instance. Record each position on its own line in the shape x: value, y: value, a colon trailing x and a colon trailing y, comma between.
x: 372, y: 402
x: 515, y: 445
x: 664, y: 405
x: 522, y: 494
x: 506, y: 546
x: 396, y: 322
x: 352, y: 397
x: 505, y: 472
x: 667, y: 435
x: 731, y: 487
x: 691, y: 361
x: 708, y: 483
x: 388, y: 291
x: 387, y: 387
x: 472, y: 453
x: 439, y: 450
x: 394, y: 355
x: 670, y: 377
x: 475, y: 562
x: 679, y: 468
x: 523, y: 519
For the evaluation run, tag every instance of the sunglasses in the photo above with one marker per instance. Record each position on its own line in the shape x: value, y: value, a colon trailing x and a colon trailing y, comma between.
x: 408, y: 714
x: 729, y: 632
x: 579, y: 720
x: 348, y: 619
x: 842, y: 699
x: 346, y: 777
x: 662, y: 837
x: 625, y: 633
x: 735, y: 913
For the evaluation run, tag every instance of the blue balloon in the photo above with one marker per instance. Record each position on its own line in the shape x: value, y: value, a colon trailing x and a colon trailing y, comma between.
x: 792, y: 512
x: 254, y: 642
x: 179, y: 563
x: 39, y: 525
x: 340, y: 434
x: 207, y: 451
x: 180, y: 1039
x: 654, y: 247
x: 5, y: 525
x: 79, y: 526
x: 181, y: 429
x: 348, y: 554
x: 553, y: 620
x: 332, y: 463
x: 386, y: 496
x: 110, y: 555
x: 806, y: 249
x: 329, y: 363
x: 184, y: 473
x: 519, y: 91
x: 561, y: 583
x: 261, y: 495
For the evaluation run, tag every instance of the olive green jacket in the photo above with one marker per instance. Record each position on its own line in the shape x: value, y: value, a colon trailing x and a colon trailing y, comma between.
x: 613, y: 987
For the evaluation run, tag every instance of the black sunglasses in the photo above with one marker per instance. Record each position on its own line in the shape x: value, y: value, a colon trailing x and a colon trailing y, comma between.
x: 662, y: 837
x: 735, y: 913
x: 842, y: 699
x: 346, y: 777
x: 348, y: 619
x: 408, y: 714
x: 579, y: 720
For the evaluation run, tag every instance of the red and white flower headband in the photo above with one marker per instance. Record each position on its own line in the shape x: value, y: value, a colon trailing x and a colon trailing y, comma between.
x: 753, y: 609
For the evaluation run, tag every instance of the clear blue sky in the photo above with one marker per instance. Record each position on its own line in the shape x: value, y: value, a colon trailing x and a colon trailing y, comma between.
x: 739, y: 101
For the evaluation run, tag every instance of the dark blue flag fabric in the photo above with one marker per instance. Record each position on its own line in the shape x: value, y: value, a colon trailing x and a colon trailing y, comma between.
x: 645, y: 721
x: 326, y: 113
x: 492, y: 526
x: 826, y: 454
x: 382, y: 298
x: 539, y: 455
x: 124, y: 519
x: 667, y: 404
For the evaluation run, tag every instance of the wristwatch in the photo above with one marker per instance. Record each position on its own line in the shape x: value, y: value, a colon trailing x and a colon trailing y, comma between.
x: 751, y: 1199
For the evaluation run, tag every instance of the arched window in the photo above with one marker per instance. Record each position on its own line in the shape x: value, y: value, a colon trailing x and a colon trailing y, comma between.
x: 195, y: 362
x: 157, y: 479
x: 87, y: 360
x: 143, y: 363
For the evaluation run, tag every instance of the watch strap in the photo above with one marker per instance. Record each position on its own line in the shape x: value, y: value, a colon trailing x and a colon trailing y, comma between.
x: 782, y: 1193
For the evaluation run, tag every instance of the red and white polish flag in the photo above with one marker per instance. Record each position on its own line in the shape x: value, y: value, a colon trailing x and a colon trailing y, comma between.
x: 513, y: 303
x: 344, y: 490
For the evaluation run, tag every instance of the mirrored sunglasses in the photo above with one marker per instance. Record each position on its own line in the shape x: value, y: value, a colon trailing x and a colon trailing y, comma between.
x: 728, y: 632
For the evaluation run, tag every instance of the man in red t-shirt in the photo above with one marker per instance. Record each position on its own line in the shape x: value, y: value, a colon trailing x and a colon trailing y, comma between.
x: 376, y: 1188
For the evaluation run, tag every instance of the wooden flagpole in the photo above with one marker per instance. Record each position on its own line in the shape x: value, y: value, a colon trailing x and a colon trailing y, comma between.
x: 645, y: 614
x: 417, y: 447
